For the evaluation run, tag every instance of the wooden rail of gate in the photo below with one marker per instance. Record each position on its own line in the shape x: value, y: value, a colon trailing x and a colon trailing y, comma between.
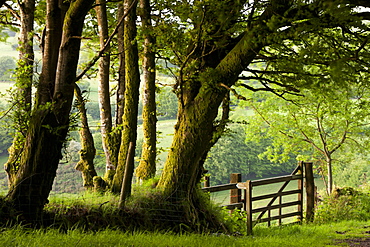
x: 303, y: 170
x: 235, y: 193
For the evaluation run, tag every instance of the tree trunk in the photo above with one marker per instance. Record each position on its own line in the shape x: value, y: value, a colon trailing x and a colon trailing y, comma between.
x: 146, y: 168
x: 132, y: 83
x: 103, y: 88
x: 26, y: 54
x: 50, y: 121
x: 193, y: 133
x: 329, y: 162
x: 115, y: 135
x: 199, y: 99
x: 23, y: 100
x: 121, y: 69
x: 87, y: 153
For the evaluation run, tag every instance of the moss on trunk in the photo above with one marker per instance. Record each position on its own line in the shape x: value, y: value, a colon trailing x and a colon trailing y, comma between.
x: 49, y: 123
x: 132, y: 83
x: 147, y: 166
x: 200, y: 93
x: 38, y: 165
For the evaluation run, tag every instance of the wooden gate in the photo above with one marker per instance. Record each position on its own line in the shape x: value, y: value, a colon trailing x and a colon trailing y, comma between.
x: 276, y: 202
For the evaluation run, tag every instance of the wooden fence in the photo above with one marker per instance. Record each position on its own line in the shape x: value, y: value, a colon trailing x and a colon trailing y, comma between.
x: 302, y: 172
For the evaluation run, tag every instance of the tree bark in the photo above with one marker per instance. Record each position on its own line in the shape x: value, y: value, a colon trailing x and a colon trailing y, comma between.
x: 26, y: 53
x: 23, y: 100
x: 50, y: 119
x: 103, y: 89
x: 115, y: 135
x: 121, y: 69
x: 132, y: 83
x: 87, y: 153
x: 199, y: 100
x: 147, y: 168
x: 330, y: 174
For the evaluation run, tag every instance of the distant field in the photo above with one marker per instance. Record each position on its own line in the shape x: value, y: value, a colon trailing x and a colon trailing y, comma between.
x: 165, y: 129
x: 4, y: 86
x: 7, y: 49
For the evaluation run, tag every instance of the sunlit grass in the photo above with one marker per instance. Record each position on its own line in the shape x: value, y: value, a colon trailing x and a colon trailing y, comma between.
x: 292, y: 235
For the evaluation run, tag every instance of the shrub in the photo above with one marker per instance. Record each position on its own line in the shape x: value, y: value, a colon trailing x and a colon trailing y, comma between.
x: 344, y: 204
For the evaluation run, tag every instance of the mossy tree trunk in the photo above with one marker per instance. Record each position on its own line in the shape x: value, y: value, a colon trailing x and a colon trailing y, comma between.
x: 49, y: 122
x: 115, y: 134
x: 87, y: 153
x: 103, y: 88
x: 23, y: 96
x: 147, y: 168
x: 201, y: 92
x: 132, y: 83
x: 26, y: 53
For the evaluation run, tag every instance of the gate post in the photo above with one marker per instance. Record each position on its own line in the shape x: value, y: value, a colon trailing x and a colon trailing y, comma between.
x: 248, y: 206
x: 310, y: 192
x: 206, y: 181
x: 300, y: 188
x: 235, y: 194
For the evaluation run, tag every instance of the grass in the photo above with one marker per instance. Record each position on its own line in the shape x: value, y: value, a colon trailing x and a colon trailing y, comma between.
x: 292, y: 235
x: 335, y: 230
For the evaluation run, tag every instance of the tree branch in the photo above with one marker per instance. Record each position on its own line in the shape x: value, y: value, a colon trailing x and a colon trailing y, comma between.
x: 101, y: 52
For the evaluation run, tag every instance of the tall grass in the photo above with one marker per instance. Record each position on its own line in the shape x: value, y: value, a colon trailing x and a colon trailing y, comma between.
x: 327, y: 231
x: 293, y: 235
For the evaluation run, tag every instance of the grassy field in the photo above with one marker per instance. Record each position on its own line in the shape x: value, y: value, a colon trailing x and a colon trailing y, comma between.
x: 292, y: 235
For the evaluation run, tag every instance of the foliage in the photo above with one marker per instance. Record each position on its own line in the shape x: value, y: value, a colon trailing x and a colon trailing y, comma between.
x: 147, y: 209
x: 352, y: 169
x: 7, y: 65
x: 232, y: 154
x: 200, y: 36
x: 5, y: 132
x: 314, y: 127
x: 167, y: 103
x: 344, y: 204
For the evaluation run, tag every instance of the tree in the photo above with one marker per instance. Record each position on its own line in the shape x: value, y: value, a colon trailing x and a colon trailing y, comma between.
x: 313, y: 126
x: 23, y: 92
x: 211, y: 44
x: 49, y: 122
x: 147, y: 166
x: 132, y: 83
x: 88, y: 151
x: 216, y: 49
x: 103, y: 88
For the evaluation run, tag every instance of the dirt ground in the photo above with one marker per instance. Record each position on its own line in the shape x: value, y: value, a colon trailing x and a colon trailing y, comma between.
x: 358, y: 242
x: 363, y: 242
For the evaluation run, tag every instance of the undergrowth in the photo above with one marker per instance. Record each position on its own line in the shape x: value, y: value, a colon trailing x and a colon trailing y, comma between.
x: 344, y: 204
x: 146, y: 210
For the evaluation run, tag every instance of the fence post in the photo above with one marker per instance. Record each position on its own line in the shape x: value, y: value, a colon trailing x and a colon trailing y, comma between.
x: 280, y: 210
x: 248, y: 206
x: 127, y: 178
x: 310, y: 192
x: 300, y: 187
x: 235, y: 194
x: 206, y: 181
